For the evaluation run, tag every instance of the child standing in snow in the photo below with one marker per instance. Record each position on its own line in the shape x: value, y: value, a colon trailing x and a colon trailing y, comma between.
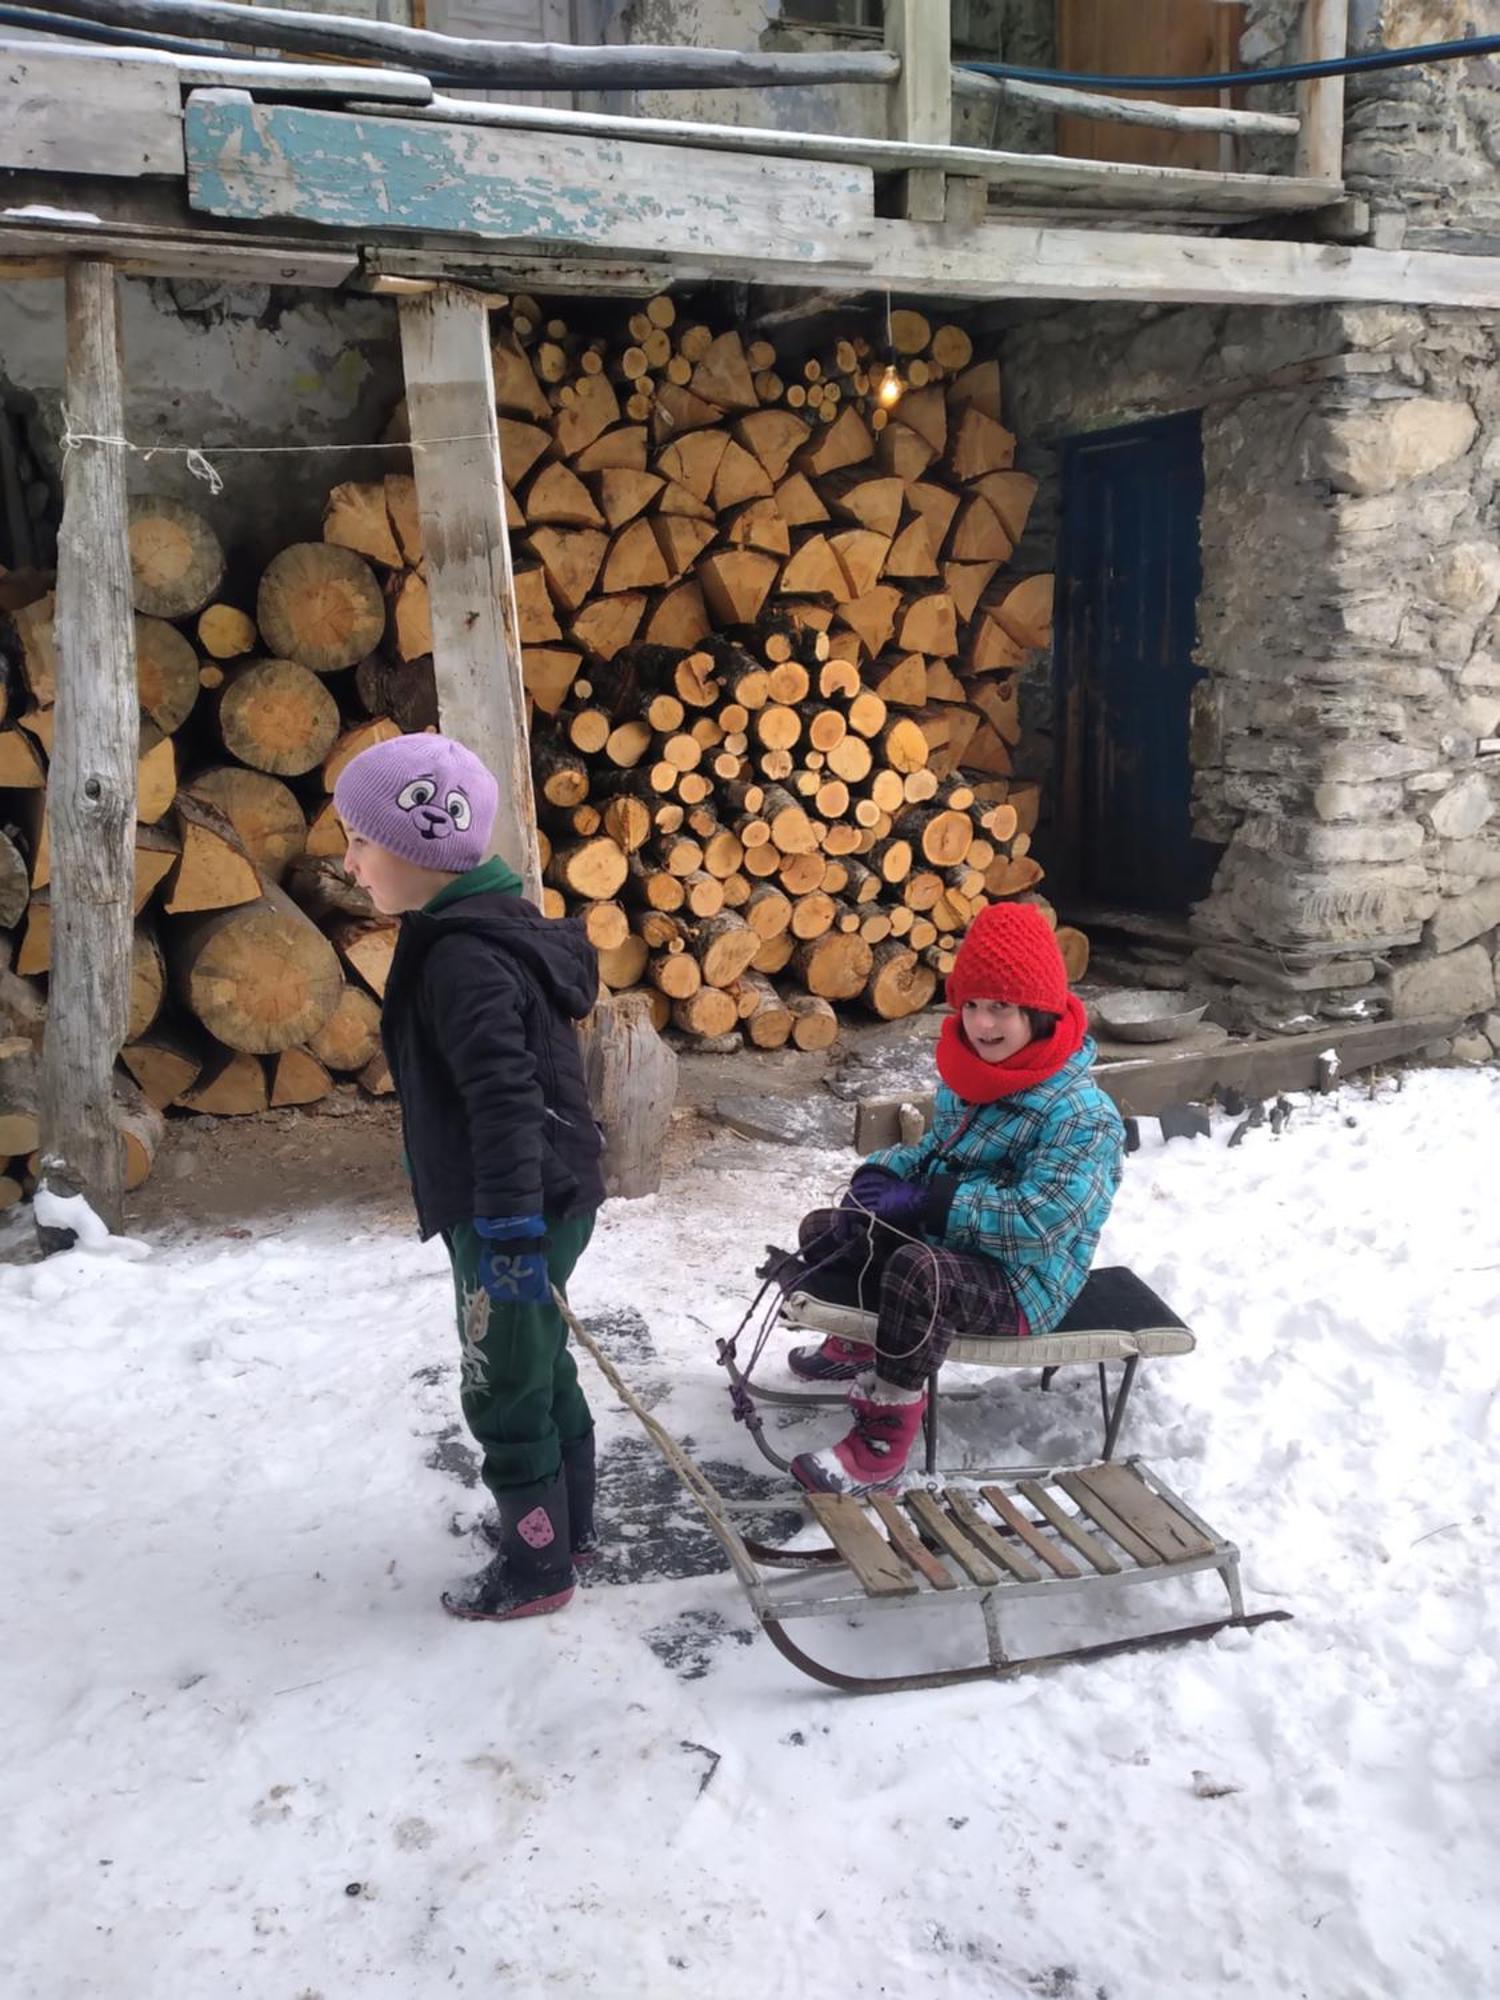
x: 987, y: 1225
x: 501, y: 1145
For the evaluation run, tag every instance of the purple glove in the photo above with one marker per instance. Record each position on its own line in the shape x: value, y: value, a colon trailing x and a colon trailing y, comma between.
x: 900, y: 1204
x: 867, y: 1186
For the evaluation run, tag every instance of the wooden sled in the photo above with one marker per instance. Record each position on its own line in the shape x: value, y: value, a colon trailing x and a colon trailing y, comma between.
x: 1115, y: 1318
x: 986, y: 1540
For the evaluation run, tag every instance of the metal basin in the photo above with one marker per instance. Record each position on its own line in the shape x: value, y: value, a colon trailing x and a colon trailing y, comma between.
x: 1147, y: 1017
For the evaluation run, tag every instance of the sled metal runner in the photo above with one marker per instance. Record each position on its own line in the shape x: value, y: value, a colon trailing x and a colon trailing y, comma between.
x: 987, y: 1540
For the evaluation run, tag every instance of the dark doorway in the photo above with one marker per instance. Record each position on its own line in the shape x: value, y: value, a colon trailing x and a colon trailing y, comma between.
x: 1128, y: 580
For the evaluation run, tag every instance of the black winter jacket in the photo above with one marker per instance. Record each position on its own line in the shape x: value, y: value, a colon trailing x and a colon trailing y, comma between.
x: 478, y: 1031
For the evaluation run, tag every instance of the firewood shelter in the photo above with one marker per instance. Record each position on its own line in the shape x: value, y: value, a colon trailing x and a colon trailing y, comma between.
x: 882, y: 509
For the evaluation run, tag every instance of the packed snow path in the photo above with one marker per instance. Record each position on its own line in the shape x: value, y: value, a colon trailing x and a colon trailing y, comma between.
x: 247, y: 1755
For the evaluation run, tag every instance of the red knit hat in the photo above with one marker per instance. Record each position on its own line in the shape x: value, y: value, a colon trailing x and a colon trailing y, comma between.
x: 1009, y: 955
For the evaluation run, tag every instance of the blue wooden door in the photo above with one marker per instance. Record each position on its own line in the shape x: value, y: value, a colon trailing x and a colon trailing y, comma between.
x: 1126, y: 626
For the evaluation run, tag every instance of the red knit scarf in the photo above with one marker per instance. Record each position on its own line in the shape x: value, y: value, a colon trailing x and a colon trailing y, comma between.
x: 979, y: 1082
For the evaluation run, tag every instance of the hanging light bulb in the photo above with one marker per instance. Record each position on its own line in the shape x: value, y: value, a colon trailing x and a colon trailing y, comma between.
x: 890, y: 388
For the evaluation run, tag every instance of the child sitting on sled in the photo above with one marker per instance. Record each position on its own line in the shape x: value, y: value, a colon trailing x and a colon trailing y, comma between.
x: 501, y: 1145
x: 987, y: 1225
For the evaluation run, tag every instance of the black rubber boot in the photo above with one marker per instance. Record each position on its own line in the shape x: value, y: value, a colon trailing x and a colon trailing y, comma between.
x: 578, y: 1474
x: 533, y: 1570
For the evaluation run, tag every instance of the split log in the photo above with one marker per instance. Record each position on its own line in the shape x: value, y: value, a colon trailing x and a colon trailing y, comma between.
x: 261, y: 978
x: 367, y: 945
x: 142, y: 1131
x: 155, y: 774
x: 355, y: 517
x: 404, y: 690
x: 350, y: 1037
x: 595, y: 869
x: 766, y: 1016
x: 15, y: 888
x: 165, y: 1066
x: 20, y: 1128
x: 297, y: 1077
x: 176, y: 561
x: 233, y: 1085
x: 214, y: 869
x: 724, y: 946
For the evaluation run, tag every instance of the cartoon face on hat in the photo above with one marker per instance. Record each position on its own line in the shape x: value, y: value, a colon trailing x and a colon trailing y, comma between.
x: 436, y: 812
x: 424, y: 798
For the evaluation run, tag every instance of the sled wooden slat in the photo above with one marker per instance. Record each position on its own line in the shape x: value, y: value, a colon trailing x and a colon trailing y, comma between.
x: 928, y: 1512
x: 978, y: 1529
x: 1123, y: 1491
x: 1092, y: 1552
x: 1104, y: 1516
x: 1035, y: 1540
x: 907, y: 1544
x: 872, y: 1559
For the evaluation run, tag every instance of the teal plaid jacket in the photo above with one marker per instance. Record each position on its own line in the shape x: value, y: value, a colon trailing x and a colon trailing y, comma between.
x: 1032, y: 1178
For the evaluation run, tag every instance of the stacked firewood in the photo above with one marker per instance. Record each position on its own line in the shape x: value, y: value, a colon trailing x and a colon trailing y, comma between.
x: 771, y: 651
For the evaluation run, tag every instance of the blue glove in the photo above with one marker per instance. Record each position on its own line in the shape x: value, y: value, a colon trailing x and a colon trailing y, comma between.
x: 515, y: 1276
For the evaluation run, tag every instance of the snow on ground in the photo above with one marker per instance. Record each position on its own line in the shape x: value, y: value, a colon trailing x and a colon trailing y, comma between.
x: 246, y: 1753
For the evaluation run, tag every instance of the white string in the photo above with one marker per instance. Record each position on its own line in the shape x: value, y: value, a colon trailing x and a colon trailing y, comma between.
x: 201, y: 466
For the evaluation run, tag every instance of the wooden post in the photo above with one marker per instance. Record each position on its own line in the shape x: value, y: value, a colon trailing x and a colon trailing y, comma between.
x: 919, y: 31
x: 1320, y: 105
x: 476, y: 650
x: 92, y: 782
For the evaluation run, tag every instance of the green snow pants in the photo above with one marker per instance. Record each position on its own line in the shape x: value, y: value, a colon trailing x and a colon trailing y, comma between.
x: 518, y: 1383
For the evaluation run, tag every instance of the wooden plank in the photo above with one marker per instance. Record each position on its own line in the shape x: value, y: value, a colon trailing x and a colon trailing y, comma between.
x: 72, y: 111
x: 1052, y: 180
x: 138, y: 252
x: 921, y: 98
x: 1320, y: 104
x: 928, y: 1513
x: 1092, y: 1552
x: 1104, y: 1516
x: 909, y: 1545
x: 1032, y: 1536
x: 252, y: 162
x: 989, y: 1539
x: 867, y: 1552
x: 91, y: 792
x: 1166, y: 37
x: 1127, y: 1495
x: 476, y: 654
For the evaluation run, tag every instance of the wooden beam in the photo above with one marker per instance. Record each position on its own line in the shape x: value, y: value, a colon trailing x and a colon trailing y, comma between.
x: 921, y: 97
x: 476, y: 648
x: 265, y: 79
x: 1125, y: 110
x: 252, y: 162
x: 153, y: 253
x: 87, y: 112
x: 488, y: 65
x: 91, y: 789
x: 1320, y: 105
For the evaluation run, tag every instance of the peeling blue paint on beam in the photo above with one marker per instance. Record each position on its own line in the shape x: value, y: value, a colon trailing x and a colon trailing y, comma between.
x: 251, y: 162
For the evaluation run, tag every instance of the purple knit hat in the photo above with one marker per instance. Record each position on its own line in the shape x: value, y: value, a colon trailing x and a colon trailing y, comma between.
x: 424, y: 798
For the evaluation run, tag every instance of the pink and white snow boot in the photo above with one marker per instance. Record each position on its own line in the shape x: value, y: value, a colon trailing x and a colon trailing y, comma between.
x: 832, y: 1360
x: 874, y: 1454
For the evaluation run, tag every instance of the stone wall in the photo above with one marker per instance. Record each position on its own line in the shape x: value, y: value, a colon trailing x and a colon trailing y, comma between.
x: 1348, y: 628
